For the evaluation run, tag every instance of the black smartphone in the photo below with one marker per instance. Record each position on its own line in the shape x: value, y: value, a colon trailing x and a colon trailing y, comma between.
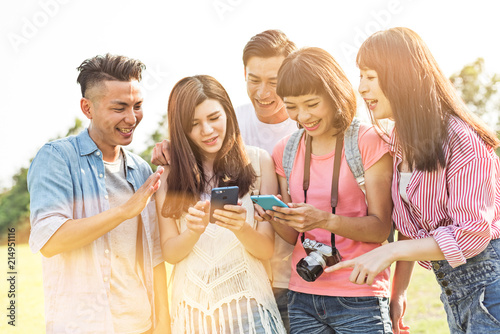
x: 222, y: 196
x: 268, y: 201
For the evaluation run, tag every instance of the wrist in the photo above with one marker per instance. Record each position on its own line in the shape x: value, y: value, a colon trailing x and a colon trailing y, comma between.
x: 332, y: 222
x: 397, y: 294
x: 392, y: 251
x: 242, y: 231
x: 398, y: 290
x: 194, y: 234
x: 121, y: 213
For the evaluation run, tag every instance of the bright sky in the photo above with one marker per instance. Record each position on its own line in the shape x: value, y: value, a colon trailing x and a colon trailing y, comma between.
x: 44, y: 41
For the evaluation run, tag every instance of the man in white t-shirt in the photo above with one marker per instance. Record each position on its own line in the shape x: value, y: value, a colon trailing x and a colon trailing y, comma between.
x: 262, y: 123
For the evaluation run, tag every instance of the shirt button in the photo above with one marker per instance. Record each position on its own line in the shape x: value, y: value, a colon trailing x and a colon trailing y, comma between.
x: 98, y: 153
x: 100, y: 175
x: 106, y: 251
x: 106, y: 196
x: 448, y: 292
x: 445, y: 283
x: 105, y: 279
x: 440, y: 275
x: 436, y: 266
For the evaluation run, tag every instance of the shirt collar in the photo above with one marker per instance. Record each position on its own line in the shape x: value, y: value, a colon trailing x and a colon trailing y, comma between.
x: 87, y: 146
x: 85, y: 143
x: 129, y: 162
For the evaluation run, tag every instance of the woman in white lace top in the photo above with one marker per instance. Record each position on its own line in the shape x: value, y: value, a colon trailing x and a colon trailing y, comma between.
x: 219, y: 283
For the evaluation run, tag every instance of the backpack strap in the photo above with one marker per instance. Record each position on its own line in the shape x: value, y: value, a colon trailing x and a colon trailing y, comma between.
x: 289, y: 154
x: 352, y: 153
x: 351, y: 150
x: 353, y: 157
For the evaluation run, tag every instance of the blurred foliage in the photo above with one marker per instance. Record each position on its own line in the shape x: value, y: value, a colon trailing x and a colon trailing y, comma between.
x: 76, y: 128
x: 14, y: 202
x: 479, y: 90
x: 156, y: 137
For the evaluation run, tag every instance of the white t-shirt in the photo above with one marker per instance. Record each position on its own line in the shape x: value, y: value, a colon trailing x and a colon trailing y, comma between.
x: 130, y: 306
x: 404, y: 181
x: 257, y: 133
x: 265, y: 136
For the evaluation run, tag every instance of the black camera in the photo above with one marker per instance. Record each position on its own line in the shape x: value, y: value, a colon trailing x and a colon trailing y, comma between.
x: 318, y: 257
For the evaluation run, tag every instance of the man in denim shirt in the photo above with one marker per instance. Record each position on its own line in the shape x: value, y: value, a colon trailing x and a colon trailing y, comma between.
x: 92, y: 215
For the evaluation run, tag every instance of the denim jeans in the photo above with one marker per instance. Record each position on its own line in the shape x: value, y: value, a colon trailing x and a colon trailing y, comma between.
x: 281, y: 296
x: 314, y: 314
x: 240, y: 325
x: 471, y: 292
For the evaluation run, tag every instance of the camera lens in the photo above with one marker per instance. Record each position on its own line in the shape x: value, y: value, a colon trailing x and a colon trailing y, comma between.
x: 309, y: 272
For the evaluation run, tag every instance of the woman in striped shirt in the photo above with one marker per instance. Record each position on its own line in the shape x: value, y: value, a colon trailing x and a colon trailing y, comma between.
x: 446, y: 185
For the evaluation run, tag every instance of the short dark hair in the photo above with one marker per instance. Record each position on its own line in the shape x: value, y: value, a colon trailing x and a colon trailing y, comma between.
x: 314, y: 71
x: 270, y: 43
x: 108, y: 68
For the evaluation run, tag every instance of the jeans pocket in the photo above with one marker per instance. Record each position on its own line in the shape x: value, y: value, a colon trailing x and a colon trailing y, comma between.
x: 489, y: 302
x: 359, y: 303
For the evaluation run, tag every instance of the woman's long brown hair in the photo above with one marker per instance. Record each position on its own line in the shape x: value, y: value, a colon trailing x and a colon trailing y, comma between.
x: 186, y: 180
x: 422, y: 98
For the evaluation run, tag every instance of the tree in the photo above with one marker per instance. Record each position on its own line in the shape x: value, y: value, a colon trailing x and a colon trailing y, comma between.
x: 480, y: 92
x: 156, y: 137
x: 14, y: 203
x: 76, y: 128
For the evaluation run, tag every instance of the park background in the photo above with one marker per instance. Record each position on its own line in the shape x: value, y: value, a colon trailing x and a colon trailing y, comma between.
x: 43, y: 41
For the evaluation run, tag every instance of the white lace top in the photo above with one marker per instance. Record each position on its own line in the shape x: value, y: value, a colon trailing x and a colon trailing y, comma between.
x: 219, y: 272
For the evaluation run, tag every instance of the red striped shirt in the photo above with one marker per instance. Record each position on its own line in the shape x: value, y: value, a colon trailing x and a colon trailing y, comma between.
x: 459, y: 205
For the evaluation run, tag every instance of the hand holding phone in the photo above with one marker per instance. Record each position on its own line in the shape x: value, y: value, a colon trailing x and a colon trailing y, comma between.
x: 268, y: 201
x: 222, y: 196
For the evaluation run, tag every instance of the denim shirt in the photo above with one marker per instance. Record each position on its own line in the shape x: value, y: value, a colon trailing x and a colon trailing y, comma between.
x: 66, y: 180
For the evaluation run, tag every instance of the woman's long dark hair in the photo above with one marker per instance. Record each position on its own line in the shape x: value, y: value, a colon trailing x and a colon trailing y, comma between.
x: 186, y: 180
x: 422, y: 98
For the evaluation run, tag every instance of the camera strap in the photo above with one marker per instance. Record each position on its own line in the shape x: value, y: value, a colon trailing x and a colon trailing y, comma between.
x: 335, y: 179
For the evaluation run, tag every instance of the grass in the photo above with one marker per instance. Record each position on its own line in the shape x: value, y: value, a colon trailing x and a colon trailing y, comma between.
x: 29, y: 293
x: 425, y: 313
